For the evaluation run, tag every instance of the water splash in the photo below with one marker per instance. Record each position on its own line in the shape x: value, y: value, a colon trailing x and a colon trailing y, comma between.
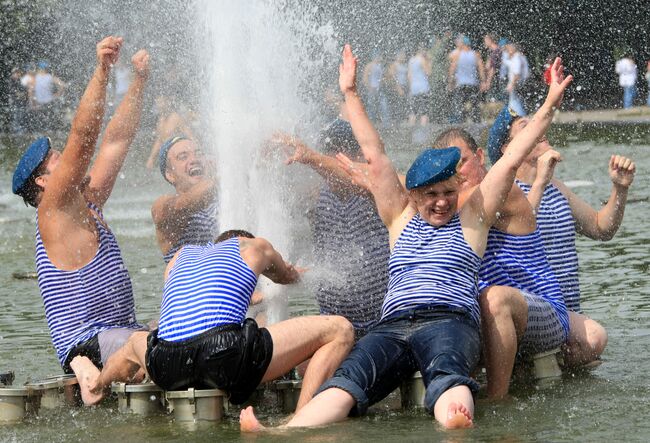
x: 263, y: 63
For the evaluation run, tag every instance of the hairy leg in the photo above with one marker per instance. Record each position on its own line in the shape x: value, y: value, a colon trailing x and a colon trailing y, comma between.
x: 123, y: 365
x: 455, y: 408
x: 587, y: 340
x: 327, y: 340
x: 504, y: 314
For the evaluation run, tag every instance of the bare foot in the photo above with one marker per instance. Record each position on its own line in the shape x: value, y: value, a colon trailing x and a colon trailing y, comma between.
x: 87, y: 375
x: 458, y: 417
x: 248, y: 422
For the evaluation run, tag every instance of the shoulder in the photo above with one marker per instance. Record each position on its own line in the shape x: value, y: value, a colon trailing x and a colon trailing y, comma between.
x: 158, y: 212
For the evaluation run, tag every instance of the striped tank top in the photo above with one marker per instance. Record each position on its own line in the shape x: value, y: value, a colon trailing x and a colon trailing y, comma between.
x: 208, y: 286
x: 82, y: 303
x: 352, y: 250
x: 557, y: 228
x: 201, y: 228
x: 519, y: 261
x: 433, y: 267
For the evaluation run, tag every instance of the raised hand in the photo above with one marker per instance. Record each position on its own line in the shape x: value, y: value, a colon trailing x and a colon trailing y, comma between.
x: 140, y: 62
x: 348, y: 71
x: 558, y: 84
x: 108, y: 50
x: 358, y: 172
x: 546, y: 166
x: 621, y: 170
x: 296, y: 150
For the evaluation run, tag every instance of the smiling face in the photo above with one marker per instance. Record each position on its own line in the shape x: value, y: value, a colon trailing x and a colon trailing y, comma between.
x: 185, y: 165
x: 540, y: 148
x: 437, y: 203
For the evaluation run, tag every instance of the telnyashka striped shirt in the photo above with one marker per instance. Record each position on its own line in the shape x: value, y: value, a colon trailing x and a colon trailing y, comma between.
x: 82, y: 303
x: 201, y: 228
x: 352, y: 248
x: 433, y: 267
x: 557, y: 228
x: 519, y: 261
x: 208, y: 286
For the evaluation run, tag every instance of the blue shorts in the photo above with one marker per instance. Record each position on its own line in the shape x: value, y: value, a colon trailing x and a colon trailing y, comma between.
x: 443, y: 346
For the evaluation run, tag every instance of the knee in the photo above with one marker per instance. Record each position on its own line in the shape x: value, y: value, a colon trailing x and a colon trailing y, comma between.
x: 496, y: 301
x: 344, y: 331
x: 596, y: 338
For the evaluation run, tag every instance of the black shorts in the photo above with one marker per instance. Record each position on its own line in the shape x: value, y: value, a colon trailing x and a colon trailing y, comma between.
x: 233, y: 358
x: 88, y: 348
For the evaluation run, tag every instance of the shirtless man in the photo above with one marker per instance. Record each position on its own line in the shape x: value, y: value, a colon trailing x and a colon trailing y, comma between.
x: 560, y: 214
x: 85, y: 286
x: 189, y: 216
x: 204, y: 339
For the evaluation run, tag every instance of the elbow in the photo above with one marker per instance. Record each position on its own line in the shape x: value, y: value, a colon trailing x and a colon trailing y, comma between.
x: 606, y: 235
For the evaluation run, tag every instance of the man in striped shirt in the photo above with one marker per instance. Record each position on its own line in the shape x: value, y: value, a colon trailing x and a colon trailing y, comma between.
x: 189, y: 216
x: 430, y: 316
x: 522, y: 309
x: 560, y: 214
x: 84, y: 284
x: 204, y: 339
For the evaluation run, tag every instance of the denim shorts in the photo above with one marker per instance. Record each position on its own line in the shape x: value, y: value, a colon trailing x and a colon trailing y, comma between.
x: 443, y: 346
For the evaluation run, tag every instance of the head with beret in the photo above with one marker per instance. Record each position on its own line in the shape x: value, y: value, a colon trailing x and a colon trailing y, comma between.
x: 505, y: 127
x: 433, y: 184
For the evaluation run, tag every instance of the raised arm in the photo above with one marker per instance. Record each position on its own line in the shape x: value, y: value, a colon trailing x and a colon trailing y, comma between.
x: 119, y: 134
x: 327, y: 167
x: 80, y: 146
x: 603, y: 224
x: 390, y: 196
x: 263, y: 259
x: 494, y: 189
x: 545, y: 168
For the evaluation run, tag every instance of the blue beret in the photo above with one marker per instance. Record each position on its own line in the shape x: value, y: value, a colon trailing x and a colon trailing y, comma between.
x: 28, y: 163
x: 164, y: 150
x: 499, y: 133
x: 433, y: 166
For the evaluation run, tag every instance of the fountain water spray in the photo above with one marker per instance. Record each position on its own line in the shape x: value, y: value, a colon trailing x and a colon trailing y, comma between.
x: 263, y: 63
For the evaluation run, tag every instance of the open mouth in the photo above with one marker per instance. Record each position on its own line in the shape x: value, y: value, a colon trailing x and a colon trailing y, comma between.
x: 195, y: 171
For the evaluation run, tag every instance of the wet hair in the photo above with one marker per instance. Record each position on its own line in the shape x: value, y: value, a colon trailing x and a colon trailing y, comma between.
x: 338, y: 137
x: 232, y: 233
x: 446, y: 138
x: 31, y: 191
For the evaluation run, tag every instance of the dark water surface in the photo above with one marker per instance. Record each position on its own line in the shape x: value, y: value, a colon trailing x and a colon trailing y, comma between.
x: 610, y: 403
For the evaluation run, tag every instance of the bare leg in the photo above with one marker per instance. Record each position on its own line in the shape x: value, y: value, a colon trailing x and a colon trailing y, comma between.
x: 455, y: 408
x: 504, y: 314
x: 123, y: 365
x: 327, y: 340
x: 587, y: 340
x: 329, y: 406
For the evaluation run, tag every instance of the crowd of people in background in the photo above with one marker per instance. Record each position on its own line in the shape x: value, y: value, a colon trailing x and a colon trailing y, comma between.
x: 457, y: 81
x: 452, y: 80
